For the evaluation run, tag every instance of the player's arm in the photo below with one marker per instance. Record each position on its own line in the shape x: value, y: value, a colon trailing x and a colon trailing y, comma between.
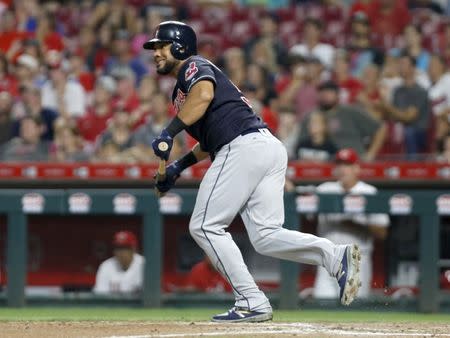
x: 197, y: 101
x: 173, y: 171
x: 407, y: 115
x: 199, y: 154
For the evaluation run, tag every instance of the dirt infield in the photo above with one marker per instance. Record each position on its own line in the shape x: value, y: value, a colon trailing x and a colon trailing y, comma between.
x: 142, y: 329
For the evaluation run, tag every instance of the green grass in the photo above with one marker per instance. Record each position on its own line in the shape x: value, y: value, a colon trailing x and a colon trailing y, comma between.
x: 195, y: 314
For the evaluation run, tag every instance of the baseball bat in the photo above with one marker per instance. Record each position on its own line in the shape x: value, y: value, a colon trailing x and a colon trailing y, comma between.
x: 162, y: 167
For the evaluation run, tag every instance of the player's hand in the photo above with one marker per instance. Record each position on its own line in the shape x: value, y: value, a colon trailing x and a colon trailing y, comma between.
x: 173, y: 172
x: 162, y: 145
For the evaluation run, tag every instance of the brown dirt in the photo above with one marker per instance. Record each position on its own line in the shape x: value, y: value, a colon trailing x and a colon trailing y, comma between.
x: 202, y: 329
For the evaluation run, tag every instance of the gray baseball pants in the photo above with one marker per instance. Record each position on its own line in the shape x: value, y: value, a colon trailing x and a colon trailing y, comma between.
x: 247, y: 177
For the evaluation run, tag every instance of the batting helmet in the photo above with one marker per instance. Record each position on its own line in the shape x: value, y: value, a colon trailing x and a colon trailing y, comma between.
x: 182, y: 37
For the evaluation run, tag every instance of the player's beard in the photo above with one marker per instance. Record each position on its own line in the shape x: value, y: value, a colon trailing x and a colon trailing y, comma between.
x: 168, y: 67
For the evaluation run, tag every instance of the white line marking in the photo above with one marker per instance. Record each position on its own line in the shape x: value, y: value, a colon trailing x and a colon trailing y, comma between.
x: 291, y: 328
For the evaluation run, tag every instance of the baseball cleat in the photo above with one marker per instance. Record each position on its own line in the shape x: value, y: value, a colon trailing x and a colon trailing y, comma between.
x: 239, y: 315
x: 348, y: 275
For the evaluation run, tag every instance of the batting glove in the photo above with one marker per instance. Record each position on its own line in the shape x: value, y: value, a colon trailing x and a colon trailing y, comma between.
x: 173, y: 172
x: 162, y: 145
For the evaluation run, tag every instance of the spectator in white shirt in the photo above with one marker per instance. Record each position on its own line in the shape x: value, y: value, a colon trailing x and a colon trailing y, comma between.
x: 60, y: 93
x: 122, y: 273
x: 358, y: 228
x: 312, y: 46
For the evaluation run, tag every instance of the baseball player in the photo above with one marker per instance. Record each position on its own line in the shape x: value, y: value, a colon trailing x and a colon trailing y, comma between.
x: 349, y: 228
x: 246, y: 176
x: 122, y: 273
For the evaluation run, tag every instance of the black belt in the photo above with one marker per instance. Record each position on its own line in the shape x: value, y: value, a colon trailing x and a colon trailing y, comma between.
x: 251, y: 130
x: 245, y: 132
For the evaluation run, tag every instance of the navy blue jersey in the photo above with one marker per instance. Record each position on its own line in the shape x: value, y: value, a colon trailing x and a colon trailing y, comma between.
x: 229, y: 113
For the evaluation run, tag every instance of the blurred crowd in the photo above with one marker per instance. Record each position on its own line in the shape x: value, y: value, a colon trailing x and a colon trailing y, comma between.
x: 76, y: 85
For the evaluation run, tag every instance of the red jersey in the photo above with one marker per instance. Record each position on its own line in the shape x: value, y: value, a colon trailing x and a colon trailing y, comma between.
x: 350, y: 88
x: 204, y: 278
x: 128, y: 105
x: 388, y: 23
x: 92, y: 125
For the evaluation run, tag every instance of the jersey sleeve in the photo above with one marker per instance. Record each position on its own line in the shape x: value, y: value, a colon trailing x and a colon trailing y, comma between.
x: 196, y: 71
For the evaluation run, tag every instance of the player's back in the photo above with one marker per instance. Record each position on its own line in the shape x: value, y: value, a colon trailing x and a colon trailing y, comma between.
x: 229, y: 113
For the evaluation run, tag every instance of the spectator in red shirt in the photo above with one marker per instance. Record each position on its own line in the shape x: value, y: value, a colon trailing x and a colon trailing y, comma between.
x: 47, y: 35
x: 350, y: 86
x: 8, y: 31
x: 95, y: 121
x: 388, y: 18
x: 205, y: 278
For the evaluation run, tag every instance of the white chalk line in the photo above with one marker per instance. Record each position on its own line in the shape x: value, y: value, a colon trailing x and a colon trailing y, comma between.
x: 291, y: 328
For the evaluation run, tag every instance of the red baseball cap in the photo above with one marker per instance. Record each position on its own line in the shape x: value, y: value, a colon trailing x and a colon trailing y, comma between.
x: 347, y: 155
x: 125, y: 239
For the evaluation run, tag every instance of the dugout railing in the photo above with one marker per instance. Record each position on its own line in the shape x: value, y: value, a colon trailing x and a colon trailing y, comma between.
x: 19, y: 204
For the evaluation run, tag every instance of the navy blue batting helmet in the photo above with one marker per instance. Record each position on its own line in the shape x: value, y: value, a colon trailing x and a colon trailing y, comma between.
x: 182, y: 37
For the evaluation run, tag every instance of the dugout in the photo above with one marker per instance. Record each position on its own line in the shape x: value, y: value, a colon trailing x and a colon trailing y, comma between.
x: 87, y: 203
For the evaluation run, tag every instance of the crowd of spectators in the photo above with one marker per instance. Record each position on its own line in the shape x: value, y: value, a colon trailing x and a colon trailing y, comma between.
x: 76, y: 85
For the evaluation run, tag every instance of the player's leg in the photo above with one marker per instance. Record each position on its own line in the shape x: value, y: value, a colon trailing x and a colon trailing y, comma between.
x: 222, y: 193
x: 325, y: 286
x: 263, y: 216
